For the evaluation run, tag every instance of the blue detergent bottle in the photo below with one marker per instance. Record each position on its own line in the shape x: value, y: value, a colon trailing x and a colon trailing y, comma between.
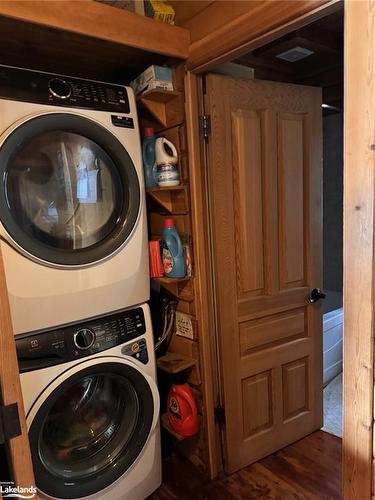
x: 172, y: 251
x: 149, y: 159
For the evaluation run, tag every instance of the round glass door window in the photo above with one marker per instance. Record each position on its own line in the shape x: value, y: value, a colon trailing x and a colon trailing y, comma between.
x: 90, y: 430
x: 70, y: 192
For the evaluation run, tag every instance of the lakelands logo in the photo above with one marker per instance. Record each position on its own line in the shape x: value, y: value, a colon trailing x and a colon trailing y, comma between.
x: 9, y: 490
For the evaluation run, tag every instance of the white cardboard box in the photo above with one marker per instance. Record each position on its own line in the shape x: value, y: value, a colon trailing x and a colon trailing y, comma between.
x: 154, y: 77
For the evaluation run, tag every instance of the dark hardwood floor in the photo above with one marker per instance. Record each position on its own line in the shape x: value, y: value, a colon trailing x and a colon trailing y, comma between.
x: 307, y: 469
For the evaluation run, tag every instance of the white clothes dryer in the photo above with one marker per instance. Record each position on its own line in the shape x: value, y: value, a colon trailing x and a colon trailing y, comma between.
x: 92, y: 408
x: 72, y: 203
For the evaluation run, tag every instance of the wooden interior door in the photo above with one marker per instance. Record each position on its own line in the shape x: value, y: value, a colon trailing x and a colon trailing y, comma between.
x: 265, y: 173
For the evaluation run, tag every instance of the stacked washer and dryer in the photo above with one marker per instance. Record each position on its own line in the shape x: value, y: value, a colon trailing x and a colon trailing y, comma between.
x: 74, y: 241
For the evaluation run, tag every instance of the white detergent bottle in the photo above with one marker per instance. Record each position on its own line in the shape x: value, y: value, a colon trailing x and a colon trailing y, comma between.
x: 167, y: 172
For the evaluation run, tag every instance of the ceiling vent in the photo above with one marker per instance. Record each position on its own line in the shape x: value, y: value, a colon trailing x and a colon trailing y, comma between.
x: 295, y: 54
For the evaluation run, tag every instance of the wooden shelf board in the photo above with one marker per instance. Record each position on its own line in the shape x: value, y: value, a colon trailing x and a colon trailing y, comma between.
x: 174, y: 363
x: 167, y: 108
x: 173, y: 200
x: 181, y: 187
x: 103, y: 22
x: 171, y: 212
x: 179, y: 287
x: 170, y: 281
x: 166, y: 425
x: 158, y: 95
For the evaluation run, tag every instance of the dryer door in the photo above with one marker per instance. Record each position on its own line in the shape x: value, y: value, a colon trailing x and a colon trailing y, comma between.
x: 90, y: 425
x: 70, y: 193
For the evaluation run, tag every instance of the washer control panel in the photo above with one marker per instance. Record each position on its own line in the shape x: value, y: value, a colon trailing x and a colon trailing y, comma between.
x: 44, y: 88
x: 39, y: 350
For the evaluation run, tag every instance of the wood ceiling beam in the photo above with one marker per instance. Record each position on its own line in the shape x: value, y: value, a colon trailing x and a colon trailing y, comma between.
x: 328, y: 36
x: 325, y: 78
x: 267, y: 64
x: 323, y: 34
x: 290, y: 42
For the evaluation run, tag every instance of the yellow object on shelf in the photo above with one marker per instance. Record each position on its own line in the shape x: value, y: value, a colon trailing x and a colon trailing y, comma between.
x: 160, y: 11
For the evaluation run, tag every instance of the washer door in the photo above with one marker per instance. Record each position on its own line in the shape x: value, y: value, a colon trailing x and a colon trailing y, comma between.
x: 69, y: 193
x: 90, y: 425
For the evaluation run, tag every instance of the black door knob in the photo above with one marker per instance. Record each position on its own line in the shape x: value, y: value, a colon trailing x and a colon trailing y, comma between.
x: 316, y: 294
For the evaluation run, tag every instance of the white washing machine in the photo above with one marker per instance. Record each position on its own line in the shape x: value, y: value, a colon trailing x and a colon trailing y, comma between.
x: 72, y: 204
x: 92, y: 408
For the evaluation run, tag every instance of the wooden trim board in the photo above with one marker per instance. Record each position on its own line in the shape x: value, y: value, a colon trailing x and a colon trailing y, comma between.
x: 203, y: 289
x: 267, y: 21
x: 10, y: 387
x: 359, y: 248
x: 102, y: 21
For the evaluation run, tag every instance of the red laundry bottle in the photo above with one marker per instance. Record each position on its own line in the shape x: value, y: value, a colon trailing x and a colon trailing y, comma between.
x: 182, y: 410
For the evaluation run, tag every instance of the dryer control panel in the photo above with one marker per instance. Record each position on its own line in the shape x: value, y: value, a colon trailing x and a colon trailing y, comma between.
x: 43, y: 88
x: 40, y: 350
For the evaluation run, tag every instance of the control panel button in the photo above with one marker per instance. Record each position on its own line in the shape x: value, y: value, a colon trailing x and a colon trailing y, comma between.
x: 84, y: 339
x: 135, y: 347
x: 59, y: 88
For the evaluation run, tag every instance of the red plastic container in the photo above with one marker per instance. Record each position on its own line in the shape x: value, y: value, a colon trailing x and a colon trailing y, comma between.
x: 156, y: 264
x: 182, y: 410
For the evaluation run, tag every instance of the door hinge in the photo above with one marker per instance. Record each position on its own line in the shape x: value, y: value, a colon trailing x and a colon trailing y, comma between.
x: 220, y: 415
x: 205, y: 126
x: 10, y: 426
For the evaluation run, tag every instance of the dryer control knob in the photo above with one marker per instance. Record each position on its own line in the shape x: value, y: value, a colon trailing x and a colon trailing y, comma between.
x: 59, y: 88
x: 84, y: 339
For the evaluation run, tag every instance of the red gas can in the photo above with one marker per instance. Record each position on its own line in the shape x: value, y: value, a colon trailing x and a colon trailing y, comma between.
x: 182, y: 410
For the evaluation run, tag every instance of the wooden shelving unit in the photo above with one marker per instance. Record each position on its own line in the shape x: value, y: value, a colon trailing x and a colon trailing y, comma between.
x: 173, y: 363
x: 167, y: 107
x: 158, y: 95
x: 165, y: 424
x: 165, y: 112
x: 174, y: 200
x: 165, y: 189
x: 169, y: 281
x: 181, y: 288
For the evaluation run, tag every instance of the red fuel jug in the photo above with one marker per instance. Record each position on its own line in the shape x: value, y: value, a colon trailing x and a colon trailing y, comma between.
x: 182, y: 410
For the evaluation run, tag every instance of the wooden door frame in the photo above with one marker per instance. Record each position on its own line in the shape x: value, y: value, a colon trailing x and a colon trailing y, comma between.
x: 359, y: 248
x: 19, y: 454
x: 359, y: 229
x: 204, y: 299
x: 270, y: 20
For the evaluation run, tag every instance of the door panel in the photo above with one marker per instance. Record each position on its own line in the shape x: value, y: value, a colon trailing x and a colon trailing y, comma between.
x: 295, y: 388
x: 264, y: 158
x: 248, y: 149
x: 272, y: 330
x: 291, y: 157
x: 257, y: 391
